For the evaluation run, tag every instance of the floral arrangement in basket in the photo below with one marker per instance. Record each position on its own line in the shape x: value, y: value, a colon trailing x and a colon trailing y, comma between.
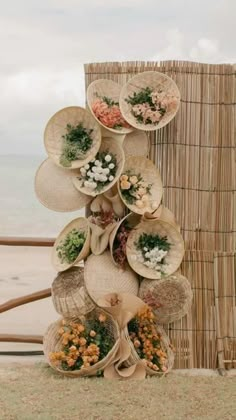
x: 83, y: 344
x: 100, y: 171
x: 149, y: 105
x: 134, y: 189
x: 148, y: 341
x: 71, y: 245
x: 108, y: 113
x: 152, y: 250
x: 76, y: 143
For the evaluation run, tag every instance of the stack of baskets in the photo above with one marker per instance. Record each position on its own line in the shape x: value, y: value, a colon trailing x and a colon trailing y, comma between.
x: 130, y: 244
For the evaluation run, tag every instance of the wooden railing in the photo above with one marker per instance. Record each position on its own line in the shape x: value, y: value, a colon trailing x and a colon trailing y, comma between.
x: 13, y: 303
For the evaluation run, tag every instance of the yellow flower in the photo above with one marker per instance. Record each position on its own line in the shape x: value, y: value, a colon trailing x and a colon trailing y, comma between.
x: 124, y: 178
x: 133, y: 179
x: 125, y: 185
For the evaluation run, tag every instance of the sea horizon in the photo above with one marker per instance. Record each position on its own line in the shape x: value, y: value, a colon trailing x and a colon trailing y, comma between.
x: 21, y: 214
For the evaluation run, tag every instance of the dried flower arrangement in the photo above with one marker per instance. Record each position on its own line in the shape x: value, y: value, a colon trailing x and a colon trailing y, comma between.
x: 70, y: 247
x: 77, y: 142
x: 119, y: 245
x: 83, y: 343
x: 103, y: 218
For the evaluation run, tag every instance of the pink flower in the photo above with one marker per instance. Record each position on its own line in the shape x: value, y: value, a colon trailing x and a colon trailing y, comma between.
x: 110, y: 116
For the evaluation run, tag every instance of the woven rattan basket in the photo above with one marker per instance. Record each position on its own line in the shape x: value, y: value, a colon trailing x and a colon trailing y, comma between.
x: 150, y: 174
x: 82, y: 224
x: 110, y: 89
x: 156, y: 81
x: 56, y: 128
x: 53, y: 342
x: 112, y: 146
x: 101, y: 277
x: 174, y: 257
x: 55, y: 190
x: 136, y: 144
x: 170, y: 298
x: 165, y: 342
x: 69, y: 295
x: 162, y: 213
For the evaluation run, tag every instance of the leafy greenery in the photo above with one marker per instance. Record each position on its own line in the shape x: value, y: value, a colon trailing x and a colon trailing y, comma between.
x: 150, y: 241
x: 77, y: 141
x: 70, y: 247
x: 109, y: 101
x: 144, y: 96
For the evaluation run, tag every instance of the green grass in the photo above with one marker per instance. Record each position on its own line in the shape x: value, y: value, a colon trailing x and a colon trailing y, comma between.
x: 36, y: 392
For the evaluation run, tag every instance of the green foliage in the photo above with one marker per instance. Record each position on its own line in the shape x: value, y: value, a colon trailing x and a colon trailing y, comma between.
x: 150, y: 241
x: 70, y: 247
x: 109, y: 101
x: 144, y: 96
x: 77, y: 141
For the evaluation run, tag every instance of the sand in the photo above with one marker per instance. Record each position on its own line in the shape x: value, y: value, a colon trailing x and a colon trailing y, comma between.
x: 36, y: 392
x: 24, y: 270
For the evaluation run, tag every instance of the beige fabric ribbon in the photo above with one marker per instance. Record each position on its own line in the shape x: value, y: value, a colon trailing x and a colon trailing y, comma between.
x: 123, y: 307
x: 162, y: 213
x: 113, y: 197
x: 99, y: 237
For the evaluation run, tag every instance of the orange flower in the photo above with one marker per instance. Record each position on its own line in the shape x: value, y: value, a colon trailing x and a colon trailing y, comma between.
x: 125, y: 185
x: 92, y: 333
x: 83, y: 341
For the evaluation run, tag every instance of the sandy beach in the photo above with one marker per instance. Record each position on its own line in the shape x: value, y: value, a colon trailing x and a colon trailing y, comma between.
x: 25, y: 270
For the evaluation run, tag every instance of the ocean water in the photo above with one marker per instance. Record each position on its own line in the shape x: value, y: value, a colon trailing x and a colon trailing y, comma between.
x: 21, y: 214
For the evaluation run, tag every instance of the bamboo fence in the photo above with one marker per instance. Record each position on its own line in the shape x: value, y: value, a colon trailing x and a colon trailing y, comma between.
x: 196, y: 154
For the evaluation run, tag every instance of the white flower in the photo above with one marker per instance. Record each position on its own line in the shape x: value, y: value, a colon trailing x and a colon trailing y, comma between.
x: 111, y: 166
x: 145, y: 248
x: 108, y: 158
x: 83, y: 171
x: 97, y: 163
x: 106, y: 171
x: 103, y: 178
x: 95, y: 169
x: 97, y: 177
x: 86, y: 183
x: 87, y: 166
x: 111, y: 177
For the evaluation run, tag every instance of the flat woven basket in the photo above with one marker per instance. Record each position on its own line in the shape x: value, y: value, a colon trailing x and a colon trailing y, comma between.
x: 174, y: 257
x: 105, y: 87
x: 53, y: 342
x: 162, y: 213
x: 55, y: 190
x: 165, y: 343
x: 150, y: 174
x: 136, y: 144
x: 101, y: 277
x: 82, y: 224
x: 132, y: 220
x: 56, y: 128
x: 156, y: 81
x: 112, y: 146
x: 69, y: 295
x: 170, y: 298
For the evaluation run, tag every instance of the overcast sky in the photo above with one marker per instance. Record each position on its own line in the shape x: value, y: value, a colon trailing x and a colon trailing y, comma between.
x: 43, y: 45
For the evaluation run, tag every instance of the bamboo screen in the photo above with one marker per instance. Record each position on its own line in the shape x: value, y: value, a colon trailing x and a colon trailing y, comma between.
x: 195, y: 154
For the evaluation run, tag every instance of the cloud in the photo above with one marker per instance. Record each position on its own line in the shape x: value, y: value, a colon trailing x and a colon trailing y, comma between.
x: 43, y: 46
